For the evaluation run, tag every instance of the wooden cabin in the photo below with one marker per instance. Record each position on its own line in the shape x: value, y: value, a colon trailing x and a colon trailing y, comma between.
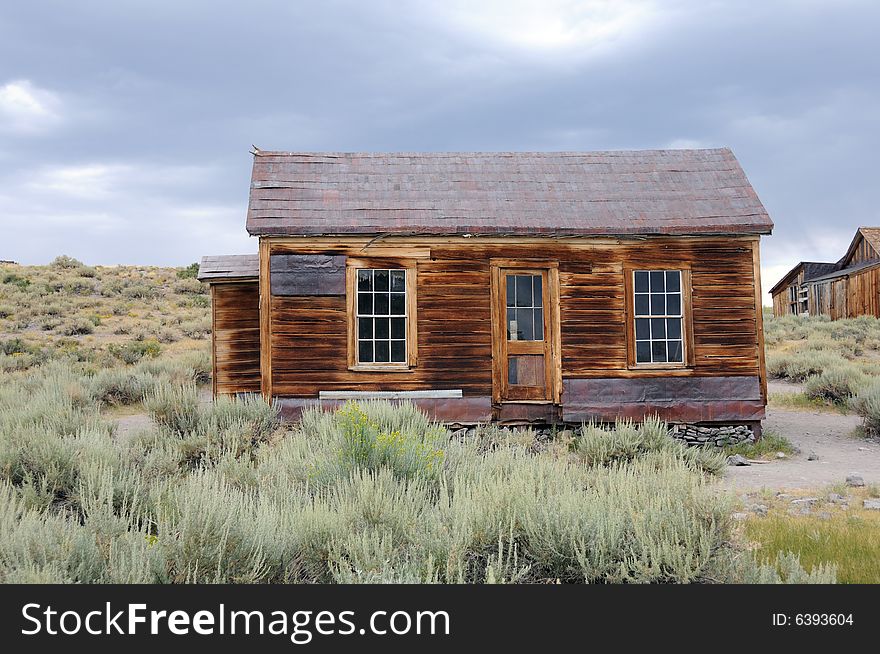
x: 847, y: 288
x: 513, y: 287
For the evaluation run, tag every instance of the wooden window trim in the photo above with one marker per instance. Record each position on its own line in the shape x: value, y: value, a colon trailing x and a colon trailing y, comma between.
x: 352, y: 265
x: 687, y: 323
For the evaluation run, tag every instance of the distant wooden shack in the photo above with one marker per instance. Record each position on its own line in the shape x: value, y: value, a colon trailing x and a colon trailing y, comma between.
x: 499, y: 286
x: 235, y: 321
x: 846, y: 288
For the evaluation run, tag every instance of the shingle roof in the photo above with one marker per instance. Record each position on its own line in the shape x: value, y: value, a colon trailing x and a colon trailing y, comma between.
x: 843, y: 272
x: 499, y: 193
x: 228, y: 267
x: 870, y: 234
x: 812, y: 269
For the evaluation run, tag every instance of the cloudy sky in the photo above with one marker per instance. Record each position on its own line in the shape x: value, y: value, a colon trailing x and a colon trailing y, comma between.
x: 125, y: 125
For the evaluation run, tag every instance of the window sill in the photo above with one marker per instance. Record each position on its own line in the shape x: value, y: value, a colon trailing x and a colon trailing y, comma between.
x: 367, y: 367
x: 659, y: 366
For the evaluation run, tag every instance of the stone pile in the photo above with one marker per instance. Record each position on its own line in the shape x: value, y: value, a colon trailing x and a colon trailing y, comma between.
x: 693, y: 435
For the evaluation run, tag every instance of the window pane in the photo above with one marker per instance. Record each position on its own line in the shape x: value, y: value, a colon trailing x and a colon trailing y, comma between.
x: 641, y: 281
x: 643, y: 330
x: 539, y: 324
x: 511, y: 290
x: 657, y: 284
x: 673, y: 328
x: 398, y: 280
x: 383, y: 354
x: 525, y: 370
x: 365, y: 328
x: 398, y: 351
x: 658, y: 306
x: 643, y: 351
x: 673, y: 304
x: 524, y: 323
x: 673, y: 281
x: 365, y: 351
x: 382, y: 328
x: 381, y: 304
x: 658, y: 351
x: 398, y: 304
x: 523, y: 290
x: 675, y: 351
x: 658, y: 328
x: 380, y: 280
x: 365, y: 304
x: 512, y: 334
x: 365, y: 280
x: 537, y: 293
x: 398, y: 328
x: 642, y: 304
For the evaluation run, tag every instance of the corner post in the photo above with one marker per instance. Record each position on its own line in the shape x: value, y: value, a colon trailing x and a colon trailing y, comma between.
x: 265, y: 321
x: 759, y: 316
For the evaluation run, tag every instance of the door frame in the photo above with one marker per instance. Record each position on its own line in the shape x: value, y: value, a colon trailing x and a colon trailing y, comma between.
x: 552, y: 343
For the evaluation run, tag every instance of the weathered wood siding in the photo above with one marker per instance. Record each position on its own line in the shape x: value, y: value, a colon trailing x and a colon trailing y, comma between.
x: 863, y: 251
x: 782, y: 298
x: 850, y: 296
x: 236, y: 337
x: 308, y: 334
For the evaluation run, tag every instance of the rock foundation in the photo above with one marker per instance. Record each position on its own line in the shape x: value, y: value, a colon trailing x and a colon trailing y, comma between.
x: 693, y: 435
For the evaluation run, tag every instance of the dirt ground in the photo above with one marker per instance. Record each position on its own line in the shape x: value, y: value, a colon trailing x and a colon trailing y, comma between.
x: 829, y: 435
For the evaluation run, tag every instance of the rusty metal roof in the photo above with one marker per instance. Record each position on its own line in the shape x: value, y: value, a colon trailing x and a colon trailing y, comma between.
x: 640, y: 192
x: 229, y: 267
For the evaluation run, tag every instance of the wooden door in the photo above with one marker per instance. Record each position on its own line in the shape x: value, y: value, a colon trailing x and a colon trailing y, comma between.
x: 523, y: 334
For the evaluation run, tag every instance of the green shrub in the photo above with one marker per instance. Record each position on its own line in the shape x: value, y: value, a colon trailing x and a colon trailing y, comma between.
x: 374, y: 435
x: 121, y: 386
x: 190, y: 287
x: 16, y: 280
x: 133, y: 351
x: 190, y: 272
x: 216, y: 493
x: 598, y: 446
x: 867, y: 405
x: 175, y: 408
x: 835, y: 385
x: 140, y: 292
x: 14, y: 346
x: 67, y: 263
x: 799, y: 366
x: 77, y: 327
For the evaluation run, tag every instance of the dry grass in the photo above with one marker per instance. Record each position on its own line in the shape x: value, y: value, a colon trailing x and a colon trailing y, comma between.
x: 837, y: 361
x: 847, y: 537
x: 100, y: 316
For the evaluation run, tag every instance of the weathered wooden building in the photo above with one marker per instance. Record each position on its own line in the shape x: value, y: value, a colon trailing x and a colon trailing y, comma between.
x: 505, y: 286
x: 847, y: 288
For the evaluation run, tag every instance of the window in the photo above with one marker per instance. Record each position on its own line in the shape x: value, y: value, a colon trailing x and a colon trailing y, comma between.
x: 525, y: 308
x: 381, y: 316
x: 658, y: 317
x: 793, y: 299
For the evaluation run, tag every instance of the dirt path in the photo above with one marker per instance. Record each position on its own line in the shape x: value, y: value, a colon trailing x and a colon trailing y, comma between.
x: 827, y: 434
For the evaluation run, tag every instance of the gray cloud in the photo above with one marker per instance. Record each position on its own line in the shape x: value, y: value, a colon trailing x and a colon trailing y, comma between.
x: 124, y: 127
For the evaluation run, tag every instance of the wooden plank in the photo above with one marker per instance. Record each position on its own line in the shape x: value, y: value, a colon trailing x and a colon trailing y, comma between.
x: 390, y: 395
